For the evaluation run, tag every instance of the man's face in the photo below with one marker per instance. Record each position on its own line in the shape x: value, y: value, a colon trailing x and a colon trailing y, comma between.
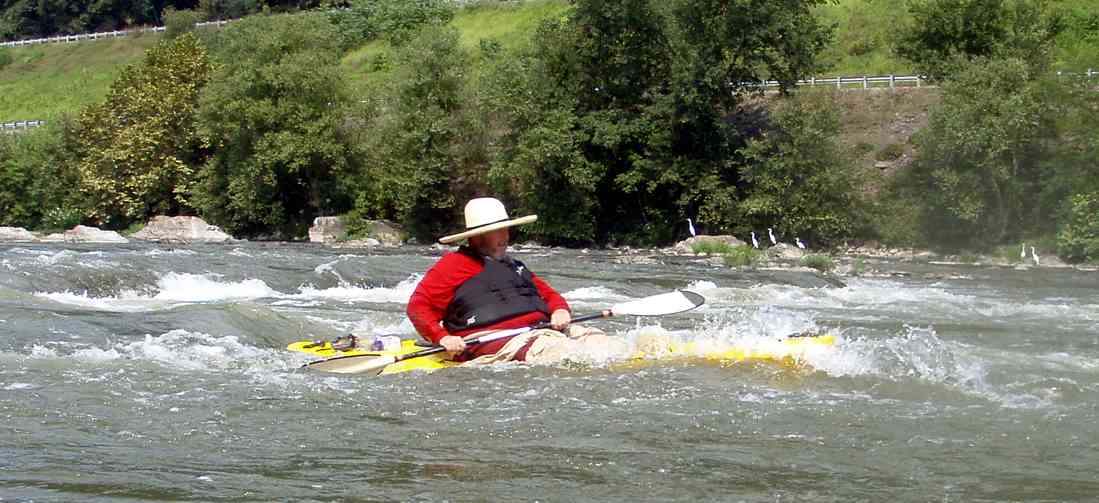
x: 491, y: 244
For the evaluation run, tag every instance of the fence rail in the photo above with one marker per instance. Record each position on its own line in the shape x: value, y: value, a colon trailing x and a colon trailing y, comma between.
x: 890, y: 81
x: 12, y: 127
x: 865, y: 82
x: 99, y: 35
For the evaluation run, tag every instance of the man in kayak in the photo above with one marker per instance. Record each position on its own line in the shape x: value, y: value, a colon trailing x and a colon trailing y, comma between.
x: 479, y: 287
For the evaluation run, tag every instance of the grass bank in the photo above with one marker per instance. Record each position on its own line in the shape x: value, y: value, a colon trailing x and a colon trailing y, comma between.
x: 46, y: 80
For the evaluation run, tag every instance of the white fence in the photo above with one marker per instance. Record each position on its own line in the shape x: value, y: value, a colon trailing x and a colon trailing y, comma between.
x: 890, y: 81
x: 99, y: 36
x: 13, y: 127
x: 865, y: 82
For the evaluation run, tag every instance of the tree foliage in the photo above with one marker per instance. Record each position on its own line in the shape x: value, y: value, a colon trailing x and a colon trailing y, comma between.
x: 1000, y: 155
x: 38, y: 189
x: 178, y: 22
x: 139, y: 149
x: 944, y: 35
x: 797, y: 176
x: 1078, y: 239
x: 416, y: 163
x: 364, y: 20
x: 628, y: 112
x: 273, y: 111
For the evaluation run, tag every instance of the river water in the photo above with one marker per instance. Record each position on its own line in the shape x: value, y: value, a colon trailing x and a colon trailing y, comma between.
x: 155, y: 373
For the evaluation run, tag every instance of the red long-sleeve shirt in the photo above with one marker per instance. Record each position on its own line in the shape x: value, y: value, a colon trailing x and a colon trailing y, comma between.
x: 427, y: 307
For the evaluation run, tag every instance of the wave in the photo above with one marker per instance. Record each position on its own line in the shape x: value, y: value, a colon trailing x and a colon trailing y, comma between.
x: 176, y: 349
x: 174, y: 289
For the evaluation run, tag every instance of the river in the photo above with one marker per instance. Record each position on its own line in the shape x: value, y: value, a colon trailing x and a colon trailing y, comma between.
x: 154, y: 373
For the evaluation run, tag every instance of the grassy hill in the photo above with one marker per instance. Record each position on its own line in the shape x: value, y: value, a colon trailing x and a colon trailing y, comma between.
x: 46, y: 80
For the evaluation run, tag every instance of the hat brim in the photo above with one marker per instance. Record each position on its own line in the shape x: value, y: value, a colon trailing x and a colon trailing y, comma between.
x: 488, y: 228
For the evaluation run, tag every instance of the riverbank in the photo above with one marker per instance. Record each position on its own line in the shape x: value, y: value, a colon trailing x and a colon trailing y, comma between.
x: 870, y: 261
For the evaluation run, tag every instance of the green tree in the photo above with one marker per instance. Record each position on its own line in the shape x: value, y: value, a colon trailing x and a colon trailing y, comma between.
x: 635, y: 121
x: 981, y: 158
x: 944, y: 35
x: 1078, y: 239
x: 797, y: 176
x: 274, y: 111
x: 38, y: 187
x: 416, y: 166
x: 178, y: 22
x: 138, y: 151
x: 397, y: 21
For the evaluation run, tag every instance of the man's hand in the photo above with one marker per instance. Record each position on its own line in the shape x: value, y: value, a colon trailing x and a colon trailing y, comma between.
x: 560, y: 319
x: 453, y: 345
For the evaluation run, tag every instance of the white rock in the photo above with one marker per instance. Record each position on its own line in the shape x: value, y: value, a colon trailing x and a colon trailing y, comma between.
x: 181, y: 230
x: 16, y: 235
x: 327, y: 230
x: 85, y: 234
x: 687, y: 245
x: 785, y: 251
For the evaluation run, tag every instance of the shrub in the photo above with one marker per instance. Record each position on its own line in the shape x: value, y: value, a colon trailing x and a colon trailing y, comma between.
x: 981, y: 159
x: 822, y: 263
x: 742, y: 256
x: 178, y: 22
x: 890, y: 152
x: 1078, y: 240
x: 858, y: 268
x: 397, y: 21
x: 62, y: 218
x: 5, y: 57
x: 798, y: 173
x: 36, y: 178
x: 945, y: 35
x: 711, y: 247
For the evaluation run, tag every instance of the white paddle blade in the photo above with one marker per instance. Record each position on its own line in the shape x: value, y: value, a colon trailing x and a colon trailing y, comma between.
x: 356, y: 364
x: 659, y: 305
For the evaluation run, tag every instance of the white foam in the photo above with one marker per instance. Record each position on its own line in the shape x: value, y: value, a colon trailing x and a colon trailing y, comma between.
x: 399, y: 294
x: 173, y: 289
x: 15, y: 386
x: 600, y: 293
x: 701, y: 286
x: 196, y: 288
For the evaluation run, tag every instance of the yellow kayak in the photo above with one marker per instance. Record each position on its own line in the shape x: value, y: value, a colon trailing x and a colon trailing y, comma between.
x: 788, y: 350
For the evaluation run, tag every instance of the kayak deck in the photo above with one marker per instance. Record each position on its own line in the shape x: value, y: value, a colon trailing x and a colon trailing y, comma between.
x: 788, y: 350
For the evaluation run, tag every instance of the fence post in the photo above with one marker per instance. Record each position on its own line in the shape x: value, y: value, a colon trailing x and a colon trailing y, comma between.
x: 892, y: 81
x: 812, y: 82
x: 865, y: 82
x: 917, y: 81
x: 839, y: 82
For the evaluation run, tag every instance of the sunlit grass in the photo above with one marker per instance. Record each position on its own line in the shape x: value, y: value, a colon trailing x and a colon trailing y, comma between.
x: 46, y: 80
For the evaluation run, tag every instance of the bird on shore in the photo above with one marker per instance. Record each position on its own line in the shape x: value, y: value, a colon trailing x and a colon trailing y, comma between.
x: 1034, y: 256
x: 691, y: 227
x: 771, y: 234
x: 798, y: 242
x: 755, y: 242
x: 1022, y: 253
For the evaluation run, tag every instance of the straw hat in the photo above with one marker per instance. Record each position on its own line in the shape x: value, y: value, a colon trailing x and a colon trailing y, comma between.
x: 483, y: 215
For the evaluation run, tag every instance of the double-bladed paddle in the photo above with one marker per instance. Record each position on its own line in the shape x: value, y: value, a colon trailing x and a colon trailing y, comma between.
x: 656, y: 305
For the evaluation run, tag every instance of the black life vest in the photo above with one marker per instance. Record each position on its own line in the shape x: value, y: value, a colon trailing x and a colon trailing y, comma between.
x: 503, y: 290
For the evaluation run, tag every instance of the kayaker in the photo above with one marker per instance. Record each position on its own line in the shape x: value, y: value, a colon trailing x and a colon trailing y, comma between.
x: 479, y: 287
